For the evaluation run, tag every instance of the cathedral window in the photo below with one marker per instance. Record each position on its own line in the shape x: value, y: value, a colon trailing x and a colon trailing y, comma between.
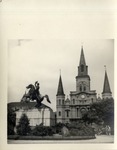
x: 59, y: 101
x: 73, y: 101
x: 59, y: 113
x: 63, y: 101
x: 67, y: 113
x: 80, y: 88
x: 82, y: 68
x: 77, y: 112
x: 92, y: 100
x: 84, y: 88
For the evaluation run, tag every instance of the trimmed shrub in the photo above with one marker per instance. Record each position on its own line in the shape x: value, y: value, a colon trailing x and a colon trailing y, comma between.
x: 80, y: 129
x: 42, y: 131
x: 58, y: 127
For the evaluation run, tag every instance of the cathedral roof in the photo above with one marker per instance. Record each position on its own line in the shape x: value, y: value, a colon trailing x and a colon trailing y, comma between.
x: 82, y: 58
x: 106, y: 87
x: 60, y: 87
x: 67, y: 100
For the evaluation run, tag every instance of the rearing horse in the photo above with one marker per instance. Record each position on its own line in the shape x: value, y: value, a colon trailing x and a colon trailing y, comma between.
x: 32, y: 95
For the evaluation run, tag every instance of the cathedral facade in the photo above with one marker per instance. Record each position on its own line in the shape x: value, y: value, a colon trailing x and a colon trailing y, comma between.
x: 71, y: 110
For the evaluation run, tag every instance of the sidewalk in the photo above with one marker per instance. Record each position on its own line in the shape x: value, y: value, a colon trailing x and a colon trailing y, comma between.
x: 99, y: 139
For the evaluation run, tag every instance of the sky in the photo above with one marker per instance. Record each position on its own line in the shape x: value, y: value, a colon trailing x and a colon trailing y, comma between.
x: 41, y: 37
x: 31, y: 60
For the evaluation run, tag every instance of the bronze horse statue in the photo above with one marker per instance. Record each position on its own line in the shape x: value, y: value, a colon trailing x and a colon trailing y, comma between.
x: 34, y: 95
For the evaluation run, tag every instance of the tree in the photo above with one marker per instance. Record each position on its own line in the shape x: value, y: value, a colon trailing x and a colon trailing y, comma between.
x: 11, y: 121
x: 105, y: 110
x: 90, y: 117
x: 102, y: 111
x: 23, y: 128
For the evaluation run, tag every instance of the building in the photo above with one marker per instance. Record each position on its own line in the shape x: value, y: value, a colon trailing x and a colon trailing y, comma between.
x: 71, y: 110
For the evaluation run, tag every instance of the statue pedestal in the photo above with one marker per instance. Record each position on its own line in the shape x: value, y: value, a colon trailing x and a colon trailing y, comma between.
x: 36, y: 115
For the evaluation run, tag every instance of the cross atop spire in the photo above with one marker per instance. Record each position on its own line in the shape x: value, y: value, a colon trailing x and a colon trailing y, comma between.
x: 106, y: 87
x: 105, y: 67
x: 60, y: 90
x: 60, y: 72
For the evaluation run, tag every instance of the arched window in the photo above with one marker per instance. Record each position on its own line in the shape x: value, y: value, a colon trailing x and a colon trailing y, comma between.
x: 63, y: 101
x: 67, y: 113
x: 73, y: 101
x: 59, y: 113
x: 80, y: 88
x: 82, y: 68
x: 92, y: 100
x: 59, y: 101
x: 84, y: 88
x: 77, y: 112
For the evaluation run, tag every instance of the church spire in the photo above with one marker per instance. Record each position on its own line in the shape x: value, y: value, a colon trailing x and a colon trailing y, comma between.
x: 106, y: 87
x: 60, y: 90
x: 82, y: 58
x: 82, y: 68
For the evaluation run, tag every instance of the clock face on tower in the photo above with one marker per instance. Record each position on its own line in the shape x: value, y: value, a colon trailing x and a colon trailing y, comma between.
x: 83, y: 96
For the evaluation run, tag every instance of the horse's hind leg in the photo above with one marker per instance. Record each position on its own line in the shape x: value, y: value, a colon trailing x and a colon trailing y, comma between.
x: 38, y: 105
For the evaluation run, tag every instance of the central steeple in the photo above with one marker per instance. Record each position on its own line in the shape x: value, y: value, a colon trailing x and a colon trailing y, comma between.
x: 83, y: 68
x: 82, y: 79
x: 82, y: 58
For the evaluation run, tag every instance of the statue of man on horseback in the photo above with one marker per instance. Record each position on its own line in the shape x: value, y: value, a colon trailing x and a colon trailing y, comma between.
x: 34, y: 94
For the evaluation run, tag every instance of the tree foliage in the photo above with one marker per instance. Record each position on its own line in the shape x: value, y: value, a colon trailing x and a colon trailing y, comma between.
x: 102, y: 111
x: 23, y: 128
x: 11, y: 121
x: 105, y: 110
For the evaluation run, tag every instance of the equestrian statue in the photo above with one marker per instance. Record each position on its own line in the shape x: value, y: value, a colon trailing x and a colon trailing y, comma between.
x: 34, y: 94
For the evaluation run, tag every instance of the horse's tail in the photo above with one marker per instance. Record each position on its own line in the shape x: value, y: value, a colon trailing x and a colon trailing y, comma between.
x: 47, y: 97
x: 23, y: 98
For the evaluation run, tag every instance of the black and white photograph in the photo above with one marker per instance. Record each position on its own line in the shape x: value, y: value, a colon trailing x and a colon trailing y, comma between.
x: 60, y: 90
x: 58, y: 74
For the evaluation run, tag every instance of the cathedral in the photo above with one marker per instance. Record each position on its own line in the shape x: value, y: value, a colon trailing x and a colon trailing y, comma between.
x: 71, y: 110
x: 67, y: 110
